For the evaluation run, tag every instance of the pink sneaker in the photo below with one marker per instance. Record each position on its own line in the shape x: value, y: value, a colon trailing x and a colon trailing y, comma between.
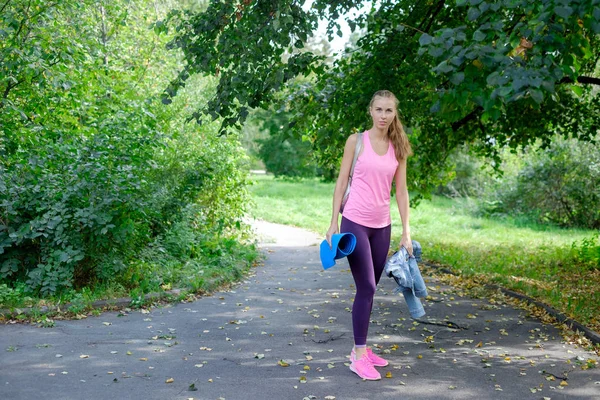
x: 364, y: 368
x: 374, y: 358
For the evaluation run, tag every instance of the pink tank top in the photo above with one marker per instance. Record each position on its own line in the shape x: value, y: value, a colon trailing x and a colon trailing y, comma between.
x: 369, y: 200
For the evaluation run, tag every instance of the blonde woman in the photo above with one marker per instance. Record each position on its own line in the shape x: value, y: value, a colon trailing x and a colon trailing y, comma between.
x: 366, y: 214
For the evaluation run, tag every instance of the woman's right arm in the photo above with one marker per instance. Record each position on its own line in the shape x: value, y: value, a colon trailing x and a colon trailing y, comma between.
x: 340, y: 185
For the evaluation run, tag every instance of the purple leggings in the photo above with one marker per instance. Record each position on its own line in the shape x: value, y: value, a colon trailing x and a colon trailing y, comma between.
x: 366, y: 263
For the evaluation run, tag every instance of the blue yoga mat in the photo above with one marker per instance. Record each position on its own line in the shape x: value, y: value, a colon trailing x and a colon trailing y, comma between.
x: 342, y: 244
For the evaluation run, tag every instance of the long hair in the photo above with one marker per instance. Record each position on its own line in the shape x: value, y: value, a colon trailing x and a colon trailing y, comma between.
x: 395, y: 132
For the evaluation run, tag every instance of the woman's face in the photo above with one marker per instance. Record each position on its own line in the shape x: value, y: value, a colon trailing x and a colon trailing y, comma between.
x: 383, y: 111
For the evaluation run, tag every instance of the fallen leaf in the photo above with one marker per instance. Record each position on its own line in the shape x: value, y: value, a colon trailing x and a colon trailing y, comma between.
x: 143, y: 359
x: 388, y: 374
x: 282, y: 363
x: 192, y: 387
x: 170, y: 380
x: 564, y: 383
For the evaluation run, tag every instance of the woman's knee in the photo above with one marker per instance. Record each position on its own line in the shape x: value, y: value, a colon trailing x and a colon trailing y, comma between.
x: 366, y: 290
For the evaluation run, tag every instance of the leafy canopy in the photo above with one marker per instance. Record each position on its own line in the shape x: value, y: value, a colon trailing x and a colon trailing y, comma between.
x: 488, y: 73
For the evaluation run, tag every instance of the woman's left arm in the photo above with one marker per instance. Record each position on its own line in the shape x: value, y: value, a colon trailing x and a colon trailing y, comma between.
x: 403, y: 205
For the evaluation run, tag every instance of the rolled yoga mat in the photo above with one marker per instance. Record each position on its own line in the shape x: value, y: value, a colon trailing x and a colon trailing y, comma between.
x: 342, y: 244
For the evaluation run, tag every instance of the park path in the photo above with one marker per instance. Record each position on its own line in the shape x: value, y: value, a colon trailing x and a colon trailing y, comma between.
x: 285, y: 333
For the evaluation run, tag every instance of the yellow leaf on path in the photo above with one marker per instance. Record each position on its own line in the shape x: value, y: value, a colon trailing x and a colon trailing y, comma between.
x: 84, y: 356
x: 479, y: 344
x: 306, y: 368
x: 283, y: 363
x: 388, y: 374
x: 129, y: 353
x: 143, y: 359
x: 170, y: 380
x: 564, y: 383
x: 419, y: 356
x: 309, y: 358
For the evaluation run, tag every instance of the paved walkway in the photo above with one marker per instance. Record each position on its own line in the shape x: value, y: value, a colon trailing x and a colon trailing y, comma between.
x: 285, y: 333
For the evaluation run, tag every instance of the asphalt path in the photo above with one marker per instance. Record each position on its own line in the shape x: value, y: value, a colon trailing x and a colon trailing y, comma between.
x: 285, y: 333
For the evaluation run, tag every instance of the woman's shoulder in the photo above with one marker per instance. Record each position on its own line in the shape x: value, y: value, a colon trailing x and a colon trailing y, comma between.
x: 352, y: 139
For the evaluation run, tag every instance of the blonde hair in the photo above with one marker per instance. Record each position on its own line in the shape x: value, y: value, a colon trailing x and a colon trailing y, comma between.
x: 395, y: 132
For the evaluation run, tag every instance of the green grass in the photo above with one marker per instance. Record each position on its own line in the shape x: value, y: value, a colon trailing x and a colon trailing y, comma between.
x: 533, y: 259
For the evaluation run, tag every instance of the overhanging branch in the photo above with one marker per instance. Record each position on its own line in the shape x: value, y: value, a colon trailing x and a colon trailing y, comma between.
x: 586, y: 80
x: 469, y: 117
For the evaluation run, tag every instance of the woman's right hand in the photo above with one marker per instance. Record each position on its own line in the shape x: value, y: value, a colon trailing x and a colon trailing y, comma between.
x: 333, y: 229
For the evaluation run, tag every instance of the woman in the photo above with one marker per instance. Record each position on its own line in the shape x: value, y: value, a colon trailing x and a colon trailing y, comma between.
x: 367, y: 215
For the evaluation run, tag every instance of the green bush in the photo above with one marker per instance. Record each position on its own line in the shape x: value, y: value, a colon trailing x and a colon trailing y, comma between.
x: 469, y: 176
x: 93, y: 168
x: 557, y: 185
x: 287, y: 157
x: 587, y: 251
x: 284, y: 154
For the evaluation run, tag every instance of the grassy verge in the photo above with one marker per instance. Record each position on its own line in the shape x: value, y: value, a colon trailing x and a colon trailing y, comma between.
x: 535, y: 260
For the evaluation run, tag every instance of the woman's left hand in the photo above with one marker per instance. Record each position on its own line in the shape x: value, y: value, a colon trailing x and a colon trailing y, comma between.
x: 406, y: 242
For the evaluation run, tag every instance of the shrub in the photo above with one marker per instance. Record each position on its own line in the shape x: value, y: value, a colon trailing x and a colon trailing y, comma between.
x: 284, y: 154
x: 558, y: 185
x: 588, y: 251
x: 469, y: 177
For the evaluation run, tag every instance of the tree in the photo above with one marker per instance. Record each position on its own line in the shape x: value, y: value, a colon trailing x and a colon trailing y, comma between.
x: 489, y: 73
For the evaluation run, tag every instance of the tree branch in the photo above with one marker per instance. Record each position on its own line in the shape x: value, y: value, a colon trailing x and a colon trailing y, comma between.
x: 4, y: 6
x: 430, y: 20
x: 588, y: 80
x: 469, y: 117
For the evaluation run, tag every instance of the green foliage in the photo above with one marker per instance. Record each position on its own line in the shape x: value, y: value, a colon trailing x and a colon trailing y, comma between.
x: 93, y: 168
x: 460, y: 72
x: 283, y: 153
x: 588, y: 250
x: 470, y: 175
x: 289, y: 158
x: 559, y: 185
x: 514, y: 63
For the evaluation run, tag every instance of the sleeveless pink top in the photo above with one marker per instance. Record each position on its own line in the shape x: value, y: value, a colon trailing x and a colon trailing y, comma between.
x: 369, y: 200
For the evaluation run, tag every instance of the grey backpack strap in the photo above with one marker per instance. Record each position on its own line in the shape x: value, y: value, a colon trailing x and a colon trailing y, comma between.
x: 357, y: 150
